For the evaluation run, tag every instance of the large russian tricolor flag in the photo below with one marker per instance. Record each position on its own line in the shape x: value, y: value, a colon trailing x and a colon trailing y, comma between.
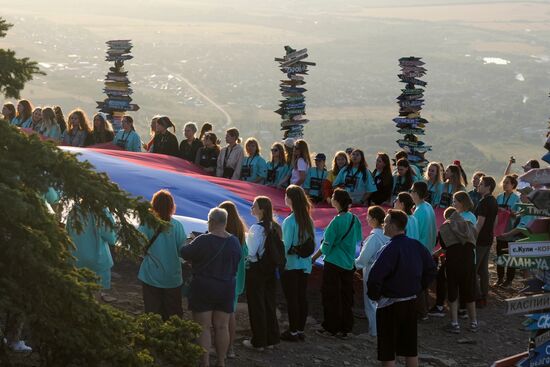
x: 195, y: 192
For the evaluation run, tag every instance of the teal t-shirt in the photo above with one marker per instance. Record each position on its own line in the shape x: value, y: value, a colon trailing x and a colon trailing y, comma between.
x: 470, y: 217
x: 337, y: 251
x: 355, y: 183
x: 253, y: 168
x: 161, y: 267
x: 412, y: 228
x: 51, y: 196
x: 54, y: 132
x: 92, y: 245
x: 290, y: 238
x: 241, y: 275
x: 417, y: 175
x: 509, y: 202
x: 24, y: 124
x: 434, y: 193
x: 314, y: 181
x: 276, y: 172
x: 129, y: 140
x: 427, y: 228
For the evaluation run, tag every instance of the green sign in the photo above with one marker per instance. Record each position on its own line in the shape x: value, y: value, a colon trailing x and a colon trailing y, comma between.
x: 528, y: 209
x: 540, y: 263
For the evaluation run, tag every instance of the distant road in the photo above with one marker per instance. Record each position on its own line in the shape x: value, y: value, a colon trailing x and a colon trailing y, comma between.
x: 181, y: 78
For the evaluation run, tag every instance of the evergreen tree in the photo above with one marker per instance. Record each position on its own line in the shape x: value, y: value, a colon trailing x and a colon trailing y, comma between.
x: 38, y: 278
x: 14, y: 72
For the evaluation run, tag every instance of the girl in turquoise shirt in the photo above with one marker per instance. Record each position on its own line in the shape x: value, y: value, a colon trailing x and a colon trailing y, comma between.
x: 92, y: 244
x: 127, y: 138
x: 36, y: 120
x: 24, y: 114
x: 297, y: 228
x: 160, y: 270
x: 278, y: 168
x: 454, y: 182
x: 464, y: 206
x: 79, y: 129
x: 235, y: 226
x: 404, y: 201
x: 254, y: 168
x: 356, y: 179
x: 339, y: 247
x: 403, y: 180
x: 435, y: 184
x: 508, y: 199
x: 49, y: 127
x: 8, y: 112
x: 315, y: 178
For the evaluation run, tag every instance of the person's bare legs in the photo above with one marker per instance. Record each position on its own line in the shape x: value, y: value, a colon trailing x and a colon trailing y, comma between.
x: 388, y: 364
x: 471, y: 307
x: 232, y: 329
x: 14, y: 329
x: 454, y: 311
x: 221, y: 338
x: 204, y: 319
x: 411, y: 361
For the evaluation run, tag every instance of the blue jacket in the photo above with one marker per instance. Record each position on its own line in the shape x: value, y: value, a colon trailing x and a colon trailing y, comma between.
x: 403, y: 268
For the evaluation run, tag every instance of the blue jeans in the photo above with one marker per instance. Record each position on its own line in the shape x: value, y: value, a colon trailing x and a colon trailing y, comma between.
x: 370, y: 306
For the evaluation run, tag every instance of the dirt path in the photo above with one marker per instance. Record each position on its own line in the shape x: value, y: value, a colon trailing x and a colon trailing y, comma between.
x: 499, y: 335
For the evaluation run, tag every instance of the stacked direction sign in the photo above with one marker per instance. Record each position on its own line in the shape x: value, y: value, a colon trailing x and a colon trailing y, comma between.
x: 409, y: 123
x: 532, y: 252
x: 117, y: 84
x: 538, y: 323
x: 292, y: 106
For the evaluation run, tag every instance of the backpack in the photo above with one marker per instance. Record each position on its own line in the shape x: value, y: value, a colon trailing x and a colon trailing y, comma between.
x: 274, y: 251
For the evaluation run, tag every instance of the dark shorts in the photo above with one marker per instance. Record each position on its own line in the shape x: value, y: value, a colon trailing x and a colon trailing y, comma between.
x: 461, y: 270
x: 208, y: 294
x: 397, y: 330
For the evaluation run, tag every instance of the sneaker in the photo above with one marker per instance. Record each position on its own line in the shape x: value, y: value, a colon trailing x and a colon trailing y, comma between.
x: 301, y: 336
x: 437, y: 311
x: 289, y: 336
x: 325, y: 333
x: 20, y: 347
x: 507, y: 284
x: 463, y: 314
x: 423, y: 317
x: 474, y: 327
x: 453, y: 328
x: 248, y: 344
x: 498, y: 283
x: 231, y: 353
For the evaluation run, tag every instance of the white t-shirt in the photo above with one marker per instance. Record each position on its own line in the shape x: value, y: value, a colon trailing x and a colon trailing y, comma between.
x: 255, y: 241
x: 302, y: 166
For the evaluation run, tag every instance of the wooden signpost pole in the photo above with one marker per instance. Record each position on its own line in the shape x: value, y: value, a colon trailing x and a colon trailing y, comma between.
x: 292, y: 106
x: 117, y: 84
x: 409, y: 123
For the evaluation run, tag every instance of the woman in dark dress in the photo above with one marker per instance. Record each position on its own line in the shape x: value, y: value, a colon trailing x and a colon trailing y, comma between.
x: 165, y: 142
x: 215, y: 258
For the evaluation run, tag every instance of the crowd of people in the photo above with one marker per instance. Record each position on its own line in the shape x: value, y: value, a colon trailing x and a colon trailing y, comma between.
x: 401, y: 257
